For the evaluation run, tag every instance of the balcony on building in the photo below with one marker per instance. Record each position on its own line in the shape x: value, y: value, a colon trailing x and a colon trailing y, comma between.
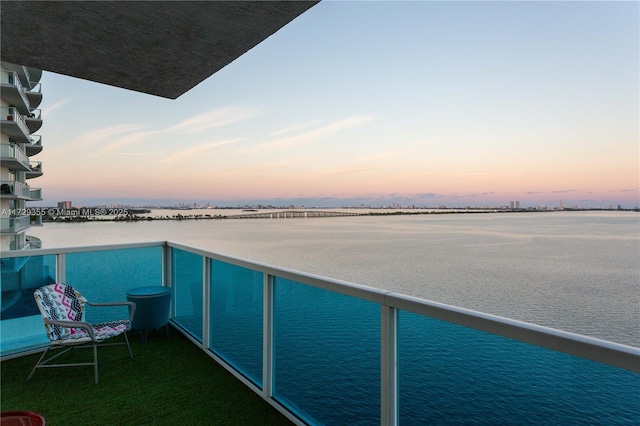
x: 35, y: 169
x: 35, y: 194
x: 13, y: 224
x: 13, y: 92
x: 33, y: 242
x: 324, y: 351
x: 34, y: 94
x: 13, y: 124
x: 33, y: 120
x: 35, y: 220
x: 15, y: 245
x: 14, y: 190
x: 14, y: 158
x: 29, y: 77
x: 35, y: 145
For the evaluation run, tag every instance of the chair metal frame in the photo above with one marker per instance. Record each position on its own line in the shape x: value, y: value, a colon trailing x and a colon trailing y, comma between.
x: 69, y: 344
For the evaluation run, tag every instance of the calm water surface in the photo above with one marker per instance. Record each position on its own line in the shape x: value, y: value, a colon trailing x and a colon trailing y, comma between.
x: 576, y: 271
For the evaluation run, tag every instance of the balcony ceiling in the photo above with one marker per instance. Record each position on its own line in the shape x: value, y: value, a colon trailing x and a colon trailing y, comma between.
x: 162, y: 48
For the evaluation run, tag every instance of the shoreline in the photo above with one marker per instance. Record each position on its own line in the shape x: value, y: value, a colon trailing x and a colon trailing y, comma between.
x: 123, y: 215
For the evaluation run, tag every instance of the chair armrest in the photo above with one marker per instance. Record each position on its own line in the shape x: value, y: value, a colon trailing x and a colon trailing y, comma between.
x: 73, y: 324
x: 131, y: 305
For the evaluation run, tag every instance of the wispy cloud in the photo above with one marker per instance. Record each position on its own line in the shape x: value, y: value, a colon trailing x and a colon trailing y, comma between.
x: 198, y: 149
x: 379, y: 156
x: 294, y: 128
x: 562, y: 191
x: 214, y: 118
x: 92, y: 138
x: 134, y: 154
x: 313, y: 135
x: 126, y: 140
x: 46, y: 112
x: 100, y: 135
x: 208, y: 120
x: 421, y: 142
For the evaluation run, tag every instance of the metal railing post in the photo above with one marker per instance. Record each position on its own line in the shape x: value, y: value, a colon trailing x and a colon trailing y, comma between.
x: 388, y: 367
x: 61, y: 267
x: 206, y: 302
x: 166, y: 276
x: 267, y: 337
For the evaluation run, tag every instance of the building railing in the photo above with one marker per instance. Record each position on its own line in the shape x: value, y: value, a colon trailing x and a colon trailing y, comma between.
x: 34, y: 147
x: 14, y: 224
x: 36, y: 139
x: 11, y: 77
x: 35, y: 194
x: 35, y: 87
x: 11, y: 151
x: 19, y: 190
x: 35, y: 220
x: 12, y: 114
x: 33, y: 242
x: 36, y: 114
x: 35, y: 94
x: 324, y: 351
x: 16, y: 245
x: 35, y: 168
x: 14, y: 189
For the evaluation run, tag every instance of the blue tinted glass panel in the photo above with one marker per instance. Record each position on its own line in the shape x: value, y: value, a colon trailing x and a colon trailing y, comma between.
x: 327, y: 355
x: 236, y: 317
x: 449, y: 374
x: 186, y: 280
x: 105, y: 276
x: 21, y: 324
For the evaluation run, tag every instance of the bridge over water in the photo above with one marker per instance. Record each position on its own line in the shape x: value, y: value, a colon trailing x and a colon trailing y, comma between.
x: 290, y: 214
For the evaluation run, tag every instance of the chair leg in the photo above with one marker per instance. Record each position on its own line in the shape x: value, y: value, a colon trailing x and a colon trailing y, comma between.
x: 38, y: 363
x: 128, y: 346
x: 95, y: 362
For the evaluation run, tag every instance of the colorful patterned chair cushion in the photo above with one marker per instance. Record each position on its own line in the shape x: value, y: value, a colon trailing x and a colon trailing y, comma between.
x: 62, y: 302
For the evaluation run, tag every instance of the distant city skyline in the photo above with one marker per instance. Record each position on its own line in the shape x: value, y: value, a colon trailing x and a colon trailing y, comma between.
x: 374, y: 103
x: 331, y: 203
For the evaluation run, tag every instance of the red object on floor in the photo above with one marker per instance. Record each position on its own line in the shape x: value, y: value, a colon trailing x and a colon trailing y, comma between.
x: 21, y: 418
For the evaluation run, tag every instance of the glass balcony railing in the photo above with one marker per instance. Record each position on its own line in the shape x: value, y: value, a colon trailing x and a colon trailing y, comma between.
x: 14, y: 224
x: 34, y: 94
x: 35, y: 87
x: 19, y: 190
x: 13, y: 118
x: 33, y: 120
x: 328, y: 352
x: 13, y: 84
x: 35, y: 220
x: 35, y: 194
x: 14, y: 189
x: 13, y: 156
x: 35, y: 169
x: 33, y: 242
x: 34, y: 146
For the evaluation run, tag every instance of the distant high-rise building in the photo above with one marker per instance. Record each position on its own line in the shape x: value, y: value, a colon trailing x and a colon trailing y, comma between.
x: 64, y: 204
x: 511, y: 205
x: 517, y: 204
x: 19, y: 120
x: 561, y: 205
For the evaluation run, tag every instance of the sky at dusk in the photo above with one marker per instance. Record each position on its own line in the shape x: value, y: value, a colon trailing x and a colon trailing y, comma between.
x: 418, y: 103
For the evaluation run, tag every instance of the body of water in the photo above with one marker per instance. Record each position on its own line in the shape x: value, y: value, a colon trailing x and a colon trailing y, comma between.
x: 575, y: 271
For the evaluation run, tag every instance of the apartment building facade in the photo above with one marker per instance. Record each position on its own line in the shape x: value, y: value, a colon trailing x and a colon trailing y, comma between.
x: 20, y: 119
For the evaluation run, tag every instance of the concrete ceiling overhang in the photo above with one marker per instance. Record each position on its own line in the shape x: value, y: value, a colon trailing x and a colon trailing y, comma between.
x: 162, y: 48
